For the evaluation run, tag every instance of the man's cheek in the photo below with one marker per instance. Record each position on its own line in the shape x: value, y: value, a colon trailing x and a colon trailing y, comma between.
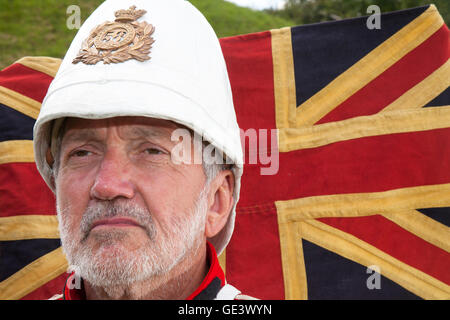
x: 69, y: 221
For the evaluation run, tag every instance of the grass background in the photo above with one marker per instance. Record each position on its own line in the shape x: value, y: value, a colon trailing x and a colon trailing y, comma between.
x: 38, y: 27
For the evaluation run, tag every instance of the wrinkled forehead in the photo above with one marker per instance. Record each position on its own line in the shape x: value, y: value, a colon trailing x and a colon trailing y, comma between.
x: 123, y: 122
x: 126, y: 127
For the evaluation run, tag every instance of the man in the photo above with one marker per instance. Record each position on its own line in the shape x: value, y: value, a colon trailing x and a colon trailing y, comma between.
x: 140, y: 217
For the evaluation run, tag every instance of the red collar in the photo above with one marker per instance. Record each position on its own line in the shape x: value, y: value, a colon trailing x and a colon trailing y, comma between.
x: 208, y: 289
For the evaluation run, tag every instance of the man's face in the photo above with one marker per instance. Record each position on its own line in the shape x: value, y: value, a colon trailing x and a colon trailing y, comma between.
x: 126, y: 211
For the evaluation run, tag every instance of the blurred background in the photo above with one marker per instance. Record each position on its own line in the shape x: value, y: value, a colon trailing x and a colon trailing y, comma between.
x: 39, y: 27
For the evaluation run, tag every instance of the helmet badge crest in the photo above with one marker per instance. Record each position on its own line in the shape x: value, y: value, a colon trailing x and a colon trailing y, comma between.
x: 118, y: 41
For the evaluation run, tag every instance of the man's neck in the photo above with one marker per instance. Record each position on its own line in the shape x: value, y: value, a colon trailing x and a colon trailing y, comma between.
x: 177, y: 284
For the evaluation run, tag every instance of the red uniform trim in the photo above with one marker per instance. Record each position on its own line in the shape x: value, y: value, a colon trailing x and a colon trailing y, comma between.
x: 215, y: 271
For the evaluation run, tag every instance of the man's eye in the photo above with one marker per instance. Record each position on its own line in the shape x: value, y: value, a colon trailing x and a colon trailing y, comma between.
x: 81, y: 153
x: 152, y: 151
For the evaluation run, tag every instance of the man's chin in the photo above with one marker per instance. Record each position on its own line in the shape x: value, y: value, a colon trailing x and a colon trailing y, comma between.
x: 109, y: 262
x: 107, y: 236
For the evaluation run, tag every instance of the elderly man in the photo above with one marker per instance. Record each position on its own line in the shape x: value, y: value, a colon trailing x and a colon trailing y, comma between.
x: 137, y: 221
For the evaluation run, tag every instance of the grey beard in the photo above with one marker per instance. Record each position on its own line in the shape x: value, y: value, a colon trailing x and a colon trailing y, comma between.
x: 155, y: 258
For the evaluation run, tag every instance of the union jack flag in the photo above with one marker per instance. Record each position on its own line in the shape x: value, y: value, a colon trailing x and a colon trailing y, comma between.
x: 363, y: 121
x: 363, y: 185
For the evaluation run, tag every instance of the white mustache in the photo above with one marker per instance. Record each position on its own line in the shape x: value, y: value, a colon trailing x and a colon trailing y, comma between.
x: 109, y: 209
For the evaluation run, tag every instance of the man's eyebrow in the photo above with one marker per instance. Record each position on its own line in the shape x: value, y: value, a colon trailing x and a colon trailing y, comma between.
x: 142, y: 132
x: 133, y: 133
x: 81, y: 135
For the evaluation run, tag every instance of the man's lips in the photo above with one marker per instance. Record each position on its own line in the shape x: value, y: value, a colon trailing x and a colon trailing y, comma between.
x: 115, y: 222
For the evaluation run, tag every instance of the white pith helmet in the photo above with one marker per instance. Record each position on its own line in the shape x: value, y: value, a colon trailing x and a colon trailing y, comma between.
x: 185, y: 80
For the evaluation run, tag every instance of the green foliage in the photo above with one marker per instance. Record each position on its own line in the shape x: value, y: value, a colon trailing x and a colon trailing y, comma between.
x: 227, y: 19
x: 312, y: 11
x: 38, y: 27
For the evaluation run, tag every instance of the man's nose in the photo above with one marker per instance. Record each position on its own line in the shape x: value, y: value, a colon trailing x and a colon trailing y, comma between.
x: 113, y: 179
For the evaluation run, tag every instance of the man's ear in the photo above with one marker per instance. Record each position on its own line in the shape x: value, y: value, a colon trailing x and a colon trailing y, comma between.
x: 220, y: 202
x: 51, y: 162
x: 49, y: 158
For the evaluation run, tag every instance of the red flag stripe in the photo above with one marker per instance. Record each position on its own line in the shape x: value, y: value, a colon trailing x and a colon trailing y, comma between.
x: 23, y: 191
x: 254, y: 255
x: 250, y: 70
x: 397, y: 242
x: 48, y: 290
x: 255, y: 237
x: 369, y: 164
x: 26, y: 81
x: 417, y: 65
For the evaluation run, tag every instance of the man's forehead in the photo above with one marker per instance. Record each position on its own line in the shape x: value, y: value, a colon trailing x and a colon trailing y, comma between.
x: 131, y: 125
x: 81, y: 123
